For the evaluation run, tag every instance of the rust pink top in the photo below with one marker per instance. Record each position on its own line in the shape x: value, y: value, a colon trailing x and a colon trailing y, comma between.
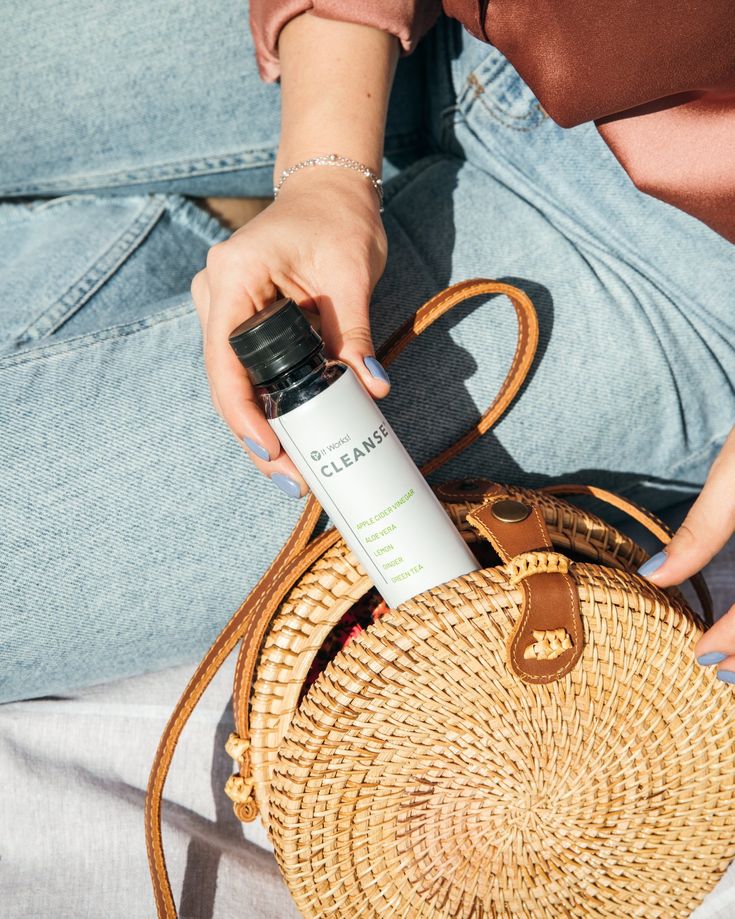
x: 658, y: 78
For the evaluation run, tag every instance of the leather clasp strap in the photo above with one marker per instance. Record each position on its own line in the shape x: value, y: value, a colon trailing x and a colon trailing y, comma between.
x: 548, y: 638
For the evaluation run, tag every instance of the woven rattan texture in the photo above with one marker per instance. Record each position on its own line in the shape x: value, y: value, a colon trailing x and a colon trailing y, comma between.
x: 420, y: 778
x: 335, y: 582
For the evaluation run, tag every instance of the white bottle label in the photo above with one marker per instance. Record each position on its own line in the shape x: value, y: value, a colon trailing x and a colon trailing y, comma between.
x: 365, y: 480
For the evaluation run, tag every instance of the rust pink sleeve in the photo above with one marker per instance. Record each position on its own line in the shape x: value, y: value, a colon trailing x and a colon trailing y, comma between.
x: 408, y: 20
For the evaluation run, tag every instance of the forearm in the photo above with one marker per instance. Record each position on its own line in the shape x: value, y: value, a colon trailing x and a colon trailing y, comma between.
x: 335, y: 84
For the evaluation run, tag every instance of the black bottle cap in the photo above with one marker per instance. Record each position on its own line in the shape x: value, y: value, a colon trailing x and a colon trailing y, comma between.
x: 274, y: 340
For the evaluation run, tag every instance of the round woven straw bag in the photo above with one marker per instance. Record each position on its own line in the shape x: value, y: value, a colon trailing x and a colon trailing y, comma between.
x: 533, y: 739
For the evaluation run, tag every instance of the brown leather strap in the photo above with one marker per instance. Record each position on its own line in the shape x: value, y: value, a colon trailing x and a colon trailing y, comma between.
x: 476, y: 490
x: 252, y: 618
x: 548, y: 637
x: 525, y: 351
x: 646, y: 519
x: 285, y: 570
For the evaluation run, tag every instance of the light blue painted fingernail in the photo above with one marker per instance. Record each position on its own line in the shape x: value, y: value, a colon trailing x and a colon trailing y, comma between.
x: 376, y: 369
x: 257, y: 449
x: 653, y: 564
x: 727, y: 676
x: 711, y: 657
x: 287, y: 486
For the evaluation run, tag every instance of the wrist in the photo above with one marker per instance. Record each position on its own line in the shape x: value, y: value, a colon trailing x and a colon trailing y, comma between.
x: 330, y: 171
x: 289, y: 156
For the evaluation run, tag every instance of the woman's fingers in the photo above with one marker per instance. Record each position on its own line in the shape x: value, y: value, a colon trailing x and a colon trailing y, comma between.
x: 200, y: 296
x: 244, y: 414
x: 707, y: 527
x: 281, y: 471
x: 726, y: 670
x: 345, y: 328
x: 231, y: 302
x: 228, y: 294
x: 235, y: 394
x: 237, y: 283
x: 717, y: 646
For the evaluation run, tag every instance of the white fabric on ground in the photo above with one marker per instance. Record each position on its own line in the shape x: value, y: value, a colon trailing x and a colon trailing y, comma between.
x: 74, y: 772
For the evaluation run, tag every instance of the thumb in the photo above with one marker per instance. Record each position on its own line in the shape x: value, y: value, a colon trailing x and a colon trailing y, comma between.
x: 706, y: 528
x: 345, y: 328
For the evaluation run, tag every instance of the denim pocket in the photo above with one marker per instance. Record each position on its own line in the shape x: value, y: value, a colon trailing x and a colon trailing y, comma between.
x: 59, y: 253
x: 82, y: 263
x: 494, y: 92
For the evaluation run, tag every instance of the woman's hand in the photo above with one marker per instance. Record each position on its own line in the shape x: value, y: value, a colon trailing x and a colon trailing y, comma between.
x: 322, y: 243
x: 707, y: 527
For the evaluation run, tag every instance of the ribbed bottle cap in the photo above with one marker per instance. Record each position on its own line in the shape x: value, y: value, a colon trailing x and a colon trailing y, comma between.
x: 274, y: 340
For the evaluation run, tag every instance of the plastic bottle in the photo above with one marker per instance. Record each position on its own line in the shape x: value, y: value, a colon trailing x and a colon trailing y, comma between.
x: 349, y: 456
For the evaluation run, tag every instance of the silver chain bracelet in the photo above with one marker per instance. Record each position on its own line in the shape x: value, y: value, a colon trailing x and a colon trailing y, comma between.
x: 332, y: 159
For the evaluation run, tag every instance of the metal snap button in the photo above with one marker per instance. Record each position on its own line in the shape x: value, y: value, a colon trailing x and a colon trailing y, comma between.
x: 510, y: 511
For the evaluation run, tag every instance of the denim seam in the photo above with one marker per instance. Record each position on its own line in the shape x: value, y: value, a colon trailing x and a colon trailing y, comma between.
x: 479, y: 85
x: 98, y: 337
x: 104, y: 266
x: 160, y: 172
x: 189, y: 215
x: 498, y: 115
x: 15, y: 211
x: 403, y: 142
x: 407, y: 176
x: 251, y: 159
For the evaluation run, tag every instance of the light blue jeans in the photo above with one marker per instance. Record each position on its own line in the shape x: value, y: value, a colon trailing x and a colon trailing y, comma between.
x: 132, y: 523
